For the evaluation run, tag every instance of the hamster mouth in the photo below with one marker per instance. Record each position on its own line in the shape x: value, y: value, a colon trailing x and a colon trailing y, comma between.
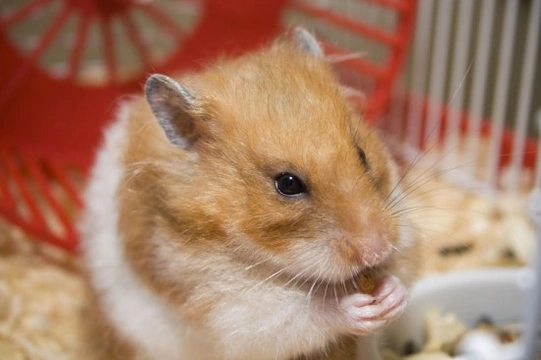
x: 360, y: 279
x: 363, y: 281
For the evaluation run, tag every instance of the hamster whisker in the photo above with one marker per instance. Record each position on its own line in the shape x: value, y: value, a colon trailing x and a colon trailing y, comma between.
x: 418, y: 182
x: 436, y: 232
x: 354, y: 283
x: 306, y: 280
x: 249, y: 267
x: 421, y: 153
x: 344, y: 286
x: 433, y: 192
x: 422, y: 177
x: 395, y: 247
x: 418, y: 157
x: 418, y: 209
x: 338, y: 58
x: 412, y: 209
x: 428, y: 170
x: 136, y: 167
x: 322, y: 281
x: 309, y: 278
x: 325, y: 291
x: 325, y: 352
x: 268, y: 278
x: 315, y: 281
x: 295, y: 278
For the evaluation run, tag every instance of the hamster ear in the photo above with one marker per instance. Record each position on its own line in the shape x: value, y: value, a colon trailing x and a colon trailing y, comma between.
x: 307, y: 42
x: 172, y: 105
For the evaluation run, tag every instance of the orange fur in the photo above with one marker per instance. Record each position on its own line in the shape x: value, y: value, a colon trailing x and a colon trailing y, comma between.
x: 267, y: 112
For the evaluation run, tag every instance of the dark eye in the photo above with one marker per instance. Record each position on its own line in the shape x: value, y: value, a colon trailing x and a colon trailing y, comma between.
x: 289, y: 185
x: 362, y: 156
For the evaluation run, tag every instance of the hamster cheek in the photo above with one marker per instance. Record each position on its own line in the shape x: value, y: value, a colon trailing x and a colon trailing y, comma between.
x: 365, y: 314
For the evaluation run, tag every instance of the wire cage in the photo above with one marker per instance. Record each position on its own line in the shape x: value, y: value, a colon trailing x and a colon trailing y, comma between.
x: 469, y: 104
x: 66, y: 63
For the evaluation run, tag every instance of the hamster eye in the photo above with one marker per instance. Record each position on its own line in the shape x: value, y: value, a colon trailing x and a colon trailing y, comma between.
x: 362, y: 156
x: 289, y: 185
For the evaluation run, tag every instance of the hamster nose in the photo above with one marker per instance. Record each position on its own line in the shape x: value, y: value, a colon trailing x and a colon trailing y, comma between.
x: 375, y: 250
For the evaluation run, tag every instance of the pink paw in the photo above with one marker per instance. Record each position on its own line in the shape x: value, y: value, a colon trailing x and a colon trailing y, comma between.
x: 368, y: 313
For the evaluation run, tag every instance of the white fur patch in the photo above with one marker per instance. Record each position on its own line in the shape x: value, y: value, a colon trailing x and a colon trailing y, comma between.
x: 138, y: 314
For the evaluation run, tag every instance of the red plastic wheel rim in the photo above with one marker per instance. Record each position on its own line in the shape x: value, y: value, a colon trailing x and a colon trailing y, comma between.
x: 50, y: 126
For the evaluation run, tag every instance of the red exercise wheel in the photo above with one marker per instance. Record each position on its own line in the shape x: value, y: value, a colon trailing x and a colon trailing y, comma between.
x: 54, y: 101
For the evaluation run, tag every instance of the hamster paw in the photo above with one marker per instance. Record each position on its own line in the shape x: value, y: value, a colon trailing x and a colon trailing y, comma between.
x: 366, y: 313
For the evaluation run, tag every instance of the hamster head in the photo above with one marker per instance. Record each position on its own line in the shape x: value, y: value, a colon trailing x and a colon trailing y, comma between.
x: 281, y: 171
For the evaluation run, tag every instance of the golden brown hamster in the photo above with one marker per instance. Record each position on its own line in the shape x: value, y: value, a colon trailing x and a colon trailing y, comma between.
x: 232, y: 212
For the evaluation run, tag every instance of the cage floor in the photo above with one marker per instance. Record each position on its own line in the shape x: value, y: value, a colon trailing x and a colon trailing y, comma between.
x: 42, y: 297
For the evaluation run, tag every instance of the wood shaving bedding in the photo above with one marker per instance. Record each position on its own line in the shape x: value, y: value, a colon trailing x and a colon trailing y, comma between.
x: 41, y: 299
x: 464, y: 230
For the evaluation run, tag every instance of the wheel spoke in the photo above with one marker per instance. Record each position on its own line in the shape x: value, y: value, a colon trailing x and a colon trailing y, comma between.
x: 7, y: 198
x: 135, y: 37
x: 49, y: 36
x: 108, y: 47
x: 42, y: 183
x: 79, y: 45
x: 22, y: 12
x: 17, y: 79
x: 344, y: 22
x: 393, y: 4
x: 60, y: 175
x: 161, y: 19
x: 35, y: 215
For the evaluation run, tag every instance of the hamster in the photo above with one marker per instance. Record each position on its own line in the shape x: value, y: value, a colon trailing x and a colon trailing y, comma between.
x: 232, y: 213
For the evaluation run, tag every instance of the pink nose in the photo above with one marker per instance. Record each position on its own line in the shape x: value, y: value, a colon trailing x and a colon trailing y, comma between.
x: 375, y: 250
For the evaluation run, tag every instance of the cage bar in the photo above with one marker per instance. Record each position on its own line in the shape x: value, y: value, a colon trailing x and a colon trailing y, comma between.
x: 502, y: 92
x: 525, y: 94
